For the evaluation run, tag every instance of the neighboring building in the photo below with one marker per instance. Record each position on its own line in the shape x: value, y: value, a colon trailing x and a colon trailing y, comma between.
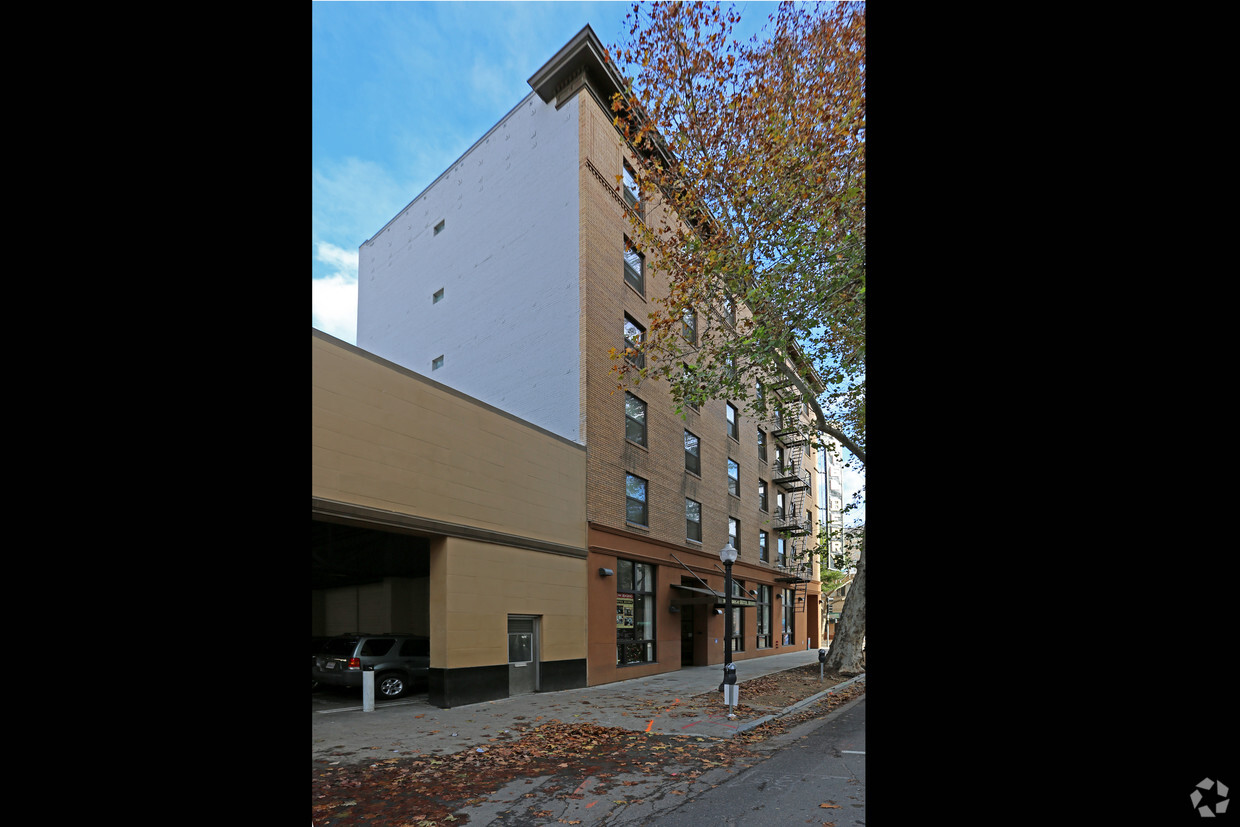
x: 831, y: 499
x: 833, y: 603
x: 852, y: 543
x: 434, y: 514
x: 510, y: 278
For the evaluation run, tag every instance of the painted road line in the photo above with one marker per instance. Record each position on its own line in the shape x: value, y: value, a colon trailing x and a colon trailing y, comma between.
x: 853, y: 751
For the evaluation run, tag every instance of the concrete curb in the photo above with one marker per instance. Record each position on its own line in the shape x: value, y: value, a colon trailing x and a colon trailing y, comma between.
x: 799, y: 704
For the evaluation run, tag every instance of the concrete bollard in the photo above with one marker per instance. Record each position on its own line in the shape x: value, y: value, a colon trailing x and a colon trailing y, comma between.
x: 368, y: 689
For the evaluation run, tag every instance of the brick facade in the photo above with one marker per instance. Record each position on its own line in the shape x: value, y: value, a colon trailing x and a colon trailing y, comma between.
x: 606, y: 299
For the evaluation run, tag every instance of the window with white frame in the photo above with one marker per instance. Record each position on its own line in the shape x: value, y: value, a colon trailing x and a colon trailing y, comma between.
x: 734, y: 478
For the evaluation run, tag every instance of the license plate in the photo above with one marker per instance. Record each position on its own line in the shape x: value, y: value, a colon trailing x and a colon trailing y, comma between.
x: 331, y: 664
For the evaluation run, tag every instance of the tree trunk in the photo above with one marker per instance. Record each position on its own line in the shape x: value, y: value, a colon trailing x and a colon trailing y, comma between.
x: 845, y: 655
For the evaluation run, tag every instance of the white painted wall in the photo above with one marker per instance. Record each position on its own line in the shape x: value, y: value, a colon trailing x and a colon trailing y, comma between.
x: 507, y: 261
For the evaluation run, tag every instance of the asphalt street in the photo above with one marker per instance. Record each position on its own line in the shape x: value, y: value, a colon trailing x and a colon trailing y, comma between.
x: 817, y: 777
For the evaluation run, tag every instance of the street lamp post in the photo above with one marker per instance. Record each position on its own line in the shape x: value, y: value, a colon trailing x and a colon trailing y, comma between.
x: 728, y: 555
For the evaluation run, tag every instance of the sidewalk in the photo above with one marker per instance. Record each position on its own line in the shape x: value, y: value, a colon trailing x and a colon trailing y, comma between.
x: 651, y: 704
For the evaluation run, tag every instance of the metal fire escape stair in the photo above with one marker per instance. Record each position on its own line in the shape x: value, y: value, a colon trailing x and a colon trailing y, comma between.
x: 792, y: 521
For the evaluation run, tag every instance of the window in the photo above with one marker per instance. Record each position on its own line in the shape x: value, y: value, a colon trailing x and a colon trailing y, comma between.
x: 633, y: 336
x: 789, y: 617
x: 729, y: 310
x: 634, y: 267
x: 780, y: 558
x: 635, y: 494
x: 762, y: 495
x: 690, y: 322
x: 693, y: 520
x: 439, y: 228
x: 693, y: 454
x: 764, y: 551
x: 689, y: 386
x: 634, y: 419
x: 761, y: 445
x: 635, y: 635
x: 734, y: 534
x: 738, y: 617
x: 632, y: 195
x: 437, y: 363
x: 734, y: 478
x: 733, y: 428
x: 779, y: 505
x: 438, y: 297
x: 764, y: 617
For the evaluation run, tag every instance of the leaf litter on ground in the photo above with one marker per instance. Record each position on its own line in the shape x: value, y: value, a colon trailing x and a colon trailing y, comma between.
x: 429, y: 790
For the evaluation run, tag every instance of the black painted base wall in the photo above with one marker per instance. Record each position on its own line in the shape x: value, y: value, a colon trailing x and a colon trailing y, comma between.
x: 447, y: 688
x: 563, y: 674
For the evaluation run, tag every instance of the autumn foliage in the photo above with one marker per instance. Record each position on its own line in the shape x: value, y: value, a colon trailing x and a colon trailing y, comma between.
x: 752, y: 181
x: 750, y: 169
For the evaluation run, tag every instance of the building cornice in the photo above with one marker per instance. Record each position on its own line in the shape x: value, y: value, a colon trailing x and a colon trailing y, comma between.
x: 353, y: 514
x: 585, y: 53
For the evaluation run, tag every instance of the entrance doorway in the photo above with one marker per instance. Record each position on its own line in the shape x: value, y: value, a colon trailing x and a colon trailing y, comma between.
x: 686, y: 635
x: 522, y: 654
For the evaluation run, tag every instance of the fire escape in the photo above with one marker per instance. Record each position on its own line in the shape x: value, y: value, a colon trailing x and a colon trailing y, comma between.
x: 790, y: 518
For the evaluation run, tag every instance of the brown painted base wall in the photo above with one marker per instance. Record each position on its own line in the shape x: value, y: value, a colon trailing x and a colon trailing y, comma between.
x: 707, y: 648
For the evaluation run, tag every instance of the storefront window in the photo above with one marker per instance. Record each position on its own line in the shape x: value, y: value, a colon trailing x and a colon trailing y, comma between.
x: 635, y: 633
x: 764, y: 617
x: 789, y: 617
x: 738, y: 614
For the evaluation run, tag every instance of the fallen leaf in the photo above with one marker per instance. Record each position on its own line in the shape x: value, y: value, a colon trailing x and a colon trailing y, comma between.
x: 830, y: 806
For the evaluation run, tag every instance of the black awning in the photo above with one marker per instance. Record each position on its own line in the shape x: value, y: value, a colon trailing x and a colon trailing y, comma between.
x: 706, y: 597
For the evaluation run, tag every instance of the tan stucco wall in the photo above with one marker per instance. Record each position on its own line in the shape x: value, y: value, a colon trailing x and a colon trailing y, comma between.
x: 385, y: 438
x: 475, y: 586
x: 392, y: 442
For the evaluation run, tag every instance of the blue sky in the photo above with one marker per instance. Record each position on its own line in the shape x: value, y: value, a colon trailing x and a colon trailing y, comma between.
x: 400, y: 90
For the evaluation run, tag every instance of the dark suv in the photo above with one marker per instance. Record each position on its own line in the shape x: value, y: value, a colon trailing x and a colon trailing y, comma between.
x: 399, y: 661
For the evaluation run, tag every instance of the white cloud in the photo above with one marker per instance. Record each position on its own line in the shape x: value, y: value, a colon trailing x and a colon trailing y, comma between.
x: 333, y: 302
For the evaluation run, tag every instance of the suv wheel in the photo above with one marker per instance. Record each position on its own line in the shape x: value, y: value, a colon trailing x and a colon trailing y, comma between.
x: 390, y: 685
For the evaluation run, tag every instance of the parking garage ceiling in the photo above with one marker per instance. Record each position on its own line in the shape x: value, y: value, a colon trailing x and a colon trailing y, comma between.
x: 347, y: 555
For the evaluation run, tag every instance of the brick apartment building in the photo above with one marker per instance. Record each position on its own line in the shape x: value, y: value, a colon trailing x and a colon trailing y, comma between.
x: 509, y: 279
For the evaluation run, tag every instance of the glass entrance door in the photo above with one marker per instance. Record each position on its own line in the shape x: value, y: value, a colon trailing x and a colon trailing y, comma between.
x: 522, y: 654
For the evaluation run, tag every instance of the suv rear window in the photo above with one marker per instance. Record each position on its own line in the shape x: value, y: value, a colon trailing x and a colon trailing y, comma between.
x: 341, y: 646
